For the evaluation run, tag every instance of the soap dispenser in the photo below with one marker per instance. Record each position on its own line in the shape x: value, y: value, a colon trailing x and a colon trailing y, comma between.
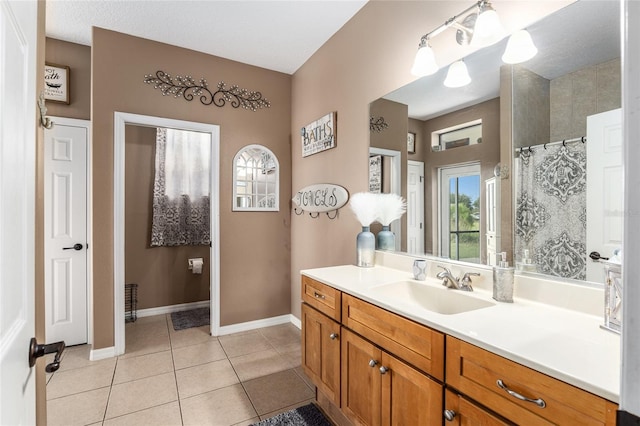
x: 503, y: 280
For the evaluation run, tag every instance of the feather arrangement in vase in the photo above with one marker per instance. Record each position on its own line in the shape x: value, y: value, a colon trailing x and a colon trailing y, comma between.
x: 390, y: 207
x: 364, y: 206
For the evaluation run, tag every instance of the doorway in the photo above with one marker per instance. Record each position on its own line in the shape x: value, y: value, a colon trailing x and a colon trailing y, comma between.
x: 459, y: 207
x: 121, y: 120
x: 415, y: 207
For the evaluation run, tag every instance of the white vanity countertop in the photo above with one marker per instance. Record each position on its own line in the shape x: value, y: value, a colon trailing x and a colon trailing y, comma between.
x: 565, y: 344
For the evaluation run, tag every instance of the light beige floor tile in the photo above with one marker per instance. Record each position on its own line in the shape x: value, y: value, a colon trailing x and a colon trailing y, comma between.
x: 204, y: 378
x: 291, y: 389
x: 281, y: 335
x: 248, y: 422
x: 259, y: 364
x: 242, y: 344
x: 300, y: 372
x: 165, y: 415
x: 162, y: 318
x: 226, y: 406
x: 142, y: 366
x: 140, y: 394
x: 79, y: 409
x: 191, y: 336
x: 78, y: 357
x: 78, y: 380
x: 146, y: 328
x: 146, y: 344
x: 282, y: 410
x: 293, y: 358
x: 201, y: 353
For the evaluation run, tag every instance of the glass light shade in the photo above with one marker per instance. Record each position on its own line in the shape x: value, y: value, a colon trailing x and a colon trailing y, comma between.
x: 457, y: 76
x: 425, y: 62
x: 520, y: 48
x: 488, y: 29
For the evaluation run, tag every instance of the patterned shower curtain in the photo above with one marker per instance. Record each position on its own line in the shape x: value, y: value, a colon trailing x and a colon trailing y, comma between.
x: 551, y: 217
x: 181, y: 189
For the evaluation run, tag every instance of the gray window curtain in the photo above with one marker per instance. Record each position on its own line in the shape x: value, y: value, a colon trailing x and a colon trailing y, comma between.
x: 181, y: 189
x: 551, y: 209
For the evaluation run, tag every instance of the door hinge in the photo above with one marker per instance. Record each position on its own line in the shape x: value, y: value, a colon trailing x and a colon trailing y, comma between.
x: 420, y: 225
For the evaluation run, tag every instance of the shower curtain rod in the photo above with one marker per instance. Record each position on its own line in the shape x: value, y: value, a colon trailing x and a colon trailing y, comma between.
x: 529, y: 149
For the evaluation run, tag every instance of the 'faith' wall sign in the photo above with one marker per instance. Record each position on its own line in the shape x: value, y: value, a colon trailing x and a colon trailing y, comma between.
x: 319, y: 135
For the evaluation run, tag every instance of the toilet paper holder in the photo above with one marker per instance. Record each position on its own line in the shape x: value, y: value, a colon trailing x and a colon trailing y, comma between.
x: 196, y: 259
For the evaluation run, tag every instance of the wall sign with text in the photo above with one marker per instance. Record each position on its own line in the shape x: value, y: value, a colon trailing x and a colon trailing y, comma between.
x: 320, y: 198
x: 56, y: 83
x: 319, y: 135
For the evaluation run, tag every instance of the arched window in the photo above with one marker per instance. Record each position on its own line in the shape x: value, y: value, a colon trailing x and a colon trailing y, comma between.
x: 256, y: 179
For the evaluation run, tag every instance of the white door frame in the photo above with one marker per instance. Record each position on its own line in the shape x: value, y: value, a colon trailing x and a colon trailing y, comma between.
x: 121, y: 119
x: 396, y: 185
x: 85, y: 124
x: 419, y: 164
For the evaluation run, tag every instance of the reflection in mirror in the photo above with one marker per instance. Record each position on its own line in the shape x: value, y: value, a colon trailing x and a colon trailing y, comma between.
x: 575, y: 74
x: 255, y: 179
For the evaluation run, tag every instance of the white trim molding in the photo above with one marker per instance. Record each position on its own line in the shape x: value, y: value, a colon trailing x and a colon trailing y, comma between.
x: 104, y: 353
x: 252, y: 325
x: 149, y: 312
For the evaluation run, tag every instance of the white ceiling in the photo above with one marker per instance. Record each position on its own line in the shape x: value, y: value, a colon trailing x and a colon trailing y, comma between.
x: 277, y: 35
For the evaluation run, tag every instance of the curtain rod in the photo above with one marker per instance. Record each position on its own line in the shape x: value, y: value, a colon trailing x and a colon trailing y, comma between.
x: 582, y: 139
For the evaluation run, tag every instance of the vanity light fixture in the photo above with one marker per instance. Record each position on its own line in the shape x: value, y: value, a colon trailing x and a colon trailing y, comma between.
x: 520, y: 48
x: 458, y: 75
x: 479, y: 28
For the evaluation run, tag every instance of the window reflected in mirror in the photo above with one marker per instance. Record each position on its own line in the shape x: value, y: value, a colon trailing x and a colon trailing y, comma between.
x: 255, y: 179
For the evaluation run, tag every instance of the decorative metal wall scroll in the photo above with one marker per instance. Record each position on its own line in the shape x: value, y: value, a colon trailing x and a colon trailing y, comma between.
x: 320, y: 198
x: 319, y: 135
x: 188, y: 88
x: 377, y: 124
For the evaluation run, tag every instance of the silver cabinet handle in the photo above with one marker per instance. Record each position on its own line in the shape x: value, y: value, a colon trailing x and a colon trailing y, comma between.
x: 383, y: 370
x: 318, y: 295
x: 373, y: 363
x: 539, y: 402
x: 449, y: 415
x: 333, y: 336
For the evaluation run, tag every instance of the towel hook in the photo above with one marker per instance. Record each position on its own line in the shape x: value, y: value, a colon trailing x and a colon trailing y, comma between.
x: 44, y: 121
x: 335, y: 214
x: 583, y: 139
x: 545, y: 146
x: 564, y: 143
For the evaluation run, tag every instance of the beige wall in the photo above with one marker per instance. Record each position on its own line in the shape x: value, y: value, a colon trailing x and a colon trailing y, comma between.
x: 368, y: 58
x: 255, y: 247
x: 78, y: 58
x: 161, y: 272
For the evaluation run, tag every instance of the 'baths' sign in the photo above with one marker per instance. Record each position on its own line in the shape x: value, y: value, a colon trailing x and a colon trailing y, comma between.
x: 319, y: 135
x: 321, y: 197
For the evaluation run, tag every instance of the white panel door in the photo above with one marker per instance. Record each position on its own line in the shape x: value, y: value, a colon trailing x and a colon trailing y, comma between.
x: 18, y: 36
x: 605, y: 189
x: 415, y: 207
x: 65, y: 230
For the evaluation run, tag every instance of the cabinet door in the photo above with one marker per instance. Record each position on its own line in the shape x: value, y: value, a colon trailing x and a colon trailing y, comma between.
x: 361, y: 380
x: 459, y: 411
x: 408, y: 396
x: 321, y: 351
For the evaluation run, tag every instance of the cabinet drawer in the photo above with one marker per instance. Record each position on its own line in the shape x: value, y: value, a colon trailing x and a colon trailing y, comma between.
x: 415, y: 343
x: 475, y: 372
x: 324, y: 298
x: 459, y: 410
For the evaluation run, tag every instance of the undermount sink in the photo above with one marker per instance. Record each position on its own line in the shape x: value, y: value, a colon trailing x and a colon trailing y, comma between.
x: 441, y: 300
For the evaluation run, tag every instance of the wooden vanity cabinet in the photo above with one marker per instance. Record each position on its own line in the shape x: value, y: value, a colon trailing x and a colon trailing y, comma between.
x: 461, y: 411
x: 520, y: 394
x: 379, y: 389
x: 321, y: 351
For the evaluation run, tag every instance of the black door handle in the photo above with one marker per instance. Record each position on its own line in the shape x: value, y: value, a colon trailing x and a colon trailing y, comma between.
x: 76, y: 246
x: 596, y: 256
x: 36, y: 351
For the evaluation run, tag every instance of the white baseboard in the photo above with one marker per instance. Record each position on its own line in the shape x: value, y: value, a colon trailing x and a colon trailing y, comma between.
x: 149, y: 312
x: 104, y: 353
x: 296, y: 321
x: 252, y: 325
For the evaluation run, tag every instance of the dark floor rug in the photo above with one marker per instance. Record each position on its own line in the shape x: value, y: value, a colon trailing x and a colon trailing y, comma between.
x: 191, y: 318
x: 307, y: 415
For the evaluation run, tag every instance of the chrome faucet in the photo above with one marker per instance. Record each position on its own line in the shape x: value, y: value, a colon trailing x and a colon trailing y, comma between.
x: 450, y: 281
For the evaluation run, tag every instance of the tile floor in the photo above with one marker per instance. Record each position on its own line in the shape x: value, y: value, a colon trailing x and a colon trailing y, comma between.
x: 185, y: 377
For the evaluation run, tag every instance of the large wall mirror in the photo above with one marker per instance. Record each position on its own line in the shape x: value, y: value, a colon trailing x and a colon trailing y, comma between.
x: 561, y: 107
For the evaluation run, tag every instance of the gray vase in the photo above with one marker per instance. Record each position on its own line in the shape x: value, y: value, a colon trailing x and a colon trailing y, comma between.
x: 365, y: 248
x: 386, y: 239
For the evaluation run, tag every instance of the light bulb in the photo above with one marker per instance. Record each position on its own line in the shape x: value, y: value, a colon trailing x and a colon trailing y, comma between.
x: 457, y: 76
x: 425, y: 61
x: 488, y: 29
x: 520, y: 48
